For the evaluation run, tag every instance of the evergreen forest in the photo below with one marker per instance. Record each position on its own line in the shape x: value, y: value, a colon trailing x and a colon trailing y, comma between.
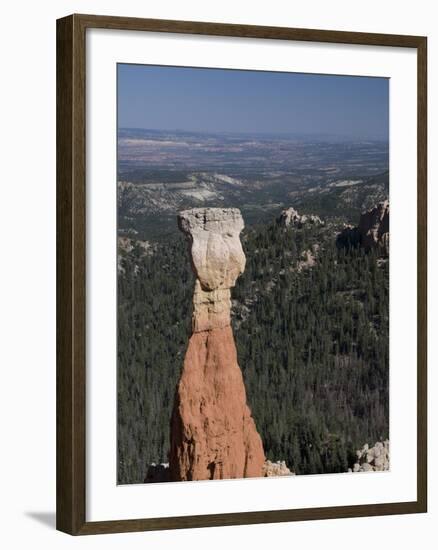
x: 312, y: 340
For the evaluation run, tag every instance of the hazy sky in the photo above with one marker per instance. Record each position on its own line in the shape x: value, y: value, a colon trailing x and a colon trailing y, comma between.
x: 219, y: 100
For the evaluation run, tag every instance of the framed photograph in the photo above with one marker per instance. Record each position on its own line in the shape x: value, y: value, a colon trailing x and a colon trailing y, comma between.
x: 241, y: 326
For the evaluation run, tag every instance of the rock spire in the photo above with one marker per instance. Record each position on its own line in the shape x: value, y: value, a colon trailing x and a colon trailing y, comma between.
x: 213, y: 435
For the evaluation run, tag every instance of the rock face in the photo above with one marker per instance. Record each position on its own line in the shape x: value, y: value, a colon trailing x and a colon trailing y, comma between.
x: 213, y: 435
x: 275, y: 469
x: 217, y: 259
x: 373, y: 459
x: 290, y: 217
x: 372, y: 231
x: 374, y: 227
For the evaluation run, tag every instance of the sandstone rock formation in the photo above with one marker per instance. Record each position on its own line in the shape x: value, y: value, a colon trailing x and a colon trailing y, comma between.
x: 213, y: 435
x: 290, y: 217
x: 372, y: 459
x: 372, y: 231
x: 217, y: 259
x: 275, y: 469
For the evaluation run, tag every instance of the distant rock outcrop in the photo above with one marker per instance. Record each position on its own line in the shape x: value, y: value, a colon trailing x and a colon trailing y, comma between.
x: 126, y: 244
x: 372, y: 231
x: 374, y: 227
x: 213, y: 435
x: 290, y: 217
x: 372, y: 459
x: 275, y: 469
x: 308, y: 258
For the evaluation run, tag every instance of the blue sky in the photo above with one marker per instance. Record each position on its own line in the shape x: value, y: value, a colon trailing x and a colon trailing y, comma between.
x: 220, y: 100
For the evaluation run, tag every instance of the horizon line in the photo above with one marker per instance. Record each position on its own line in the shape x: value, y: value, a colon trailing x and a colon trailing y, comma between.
x: 247, y: 133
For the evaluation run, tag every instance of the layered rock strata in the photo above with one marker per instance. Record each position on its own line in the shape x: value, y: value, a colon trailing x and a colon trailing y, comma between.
x: 213, y: 435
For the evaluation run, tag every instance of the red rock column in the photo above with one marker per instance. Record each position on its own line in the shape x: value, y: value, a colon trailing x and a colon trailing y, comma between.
x: 213, y: 435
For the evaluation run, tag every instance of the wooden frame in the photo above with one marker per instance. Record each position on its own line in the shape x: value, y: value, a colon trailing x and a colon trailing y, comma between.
x: 71, y: 265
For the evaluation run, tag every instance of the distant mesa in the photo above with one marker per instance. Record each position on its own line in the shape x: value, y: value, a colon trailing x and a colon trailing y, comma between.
x: 213, y: 434
x: 290, y: 218
x: 372, y: 232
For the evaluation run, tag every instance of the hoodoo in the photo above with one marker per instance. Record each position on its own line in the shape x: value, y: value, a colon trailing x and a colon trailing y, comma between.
x: 213, y: 435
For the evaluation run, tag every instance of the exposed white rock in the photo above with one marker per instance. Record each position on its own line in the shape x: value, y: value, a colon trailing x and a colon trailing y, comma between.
x: 308, y: 259
x: 126, y: 244
x: 290, y: 217
x: 373, y: 459
x: 275, y: 469
x: 218, y: 259
x: 216, y: 251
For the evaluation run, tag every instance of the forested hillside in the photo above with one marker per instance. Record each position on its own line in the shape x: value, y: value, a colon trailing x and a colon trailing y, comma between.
x: 311, y: 328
